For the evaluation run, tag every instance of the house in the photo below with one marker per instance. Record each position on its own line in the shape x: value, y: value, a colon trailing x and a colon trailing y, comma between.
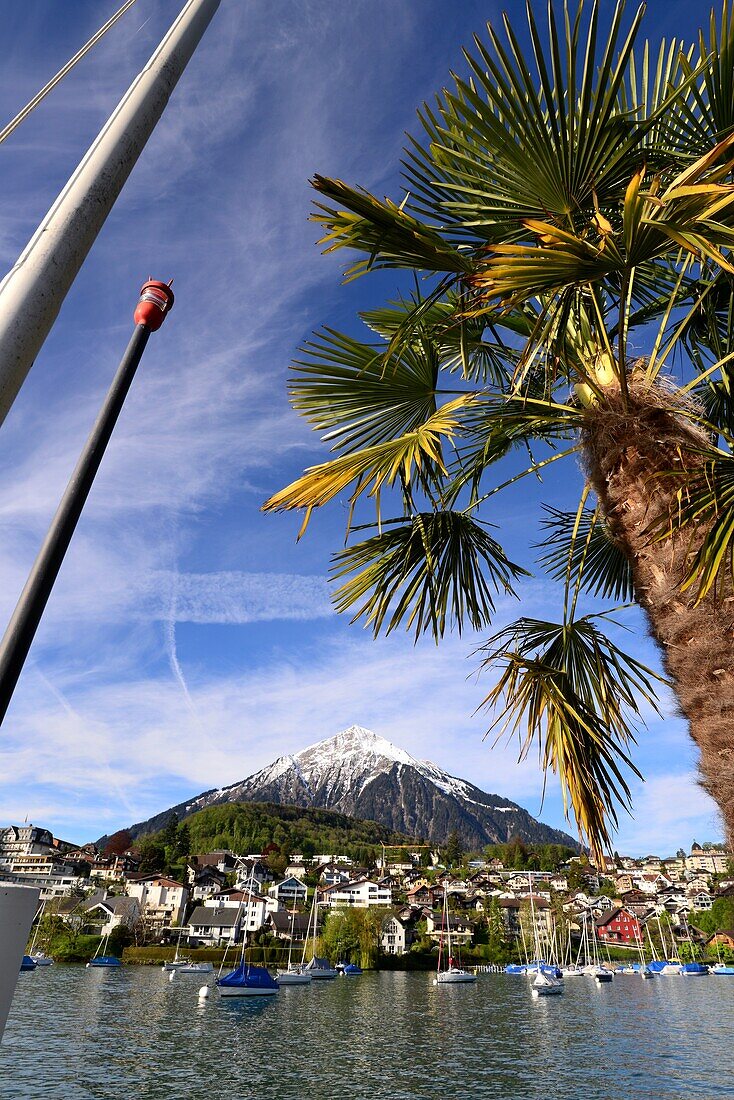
x: 221, y: 858
x: 516, y: 917
x: 330, y: 873
x: 396, y: 934
x: 162, y: 900
x: 438, y: 924
x: 423, y: 894
x: 253, y: 908
x: 722, y: 938
x: 279, y: 924
x: 290, y: 891
x: 114, y: 912
x: 72, y: 911
x: 636, y: 902
x: 710, y: 860
x: 209, y: 926
x: 702, y: 901
x: 618, y: 925
x: 362, y: 893
x: 205, y: 881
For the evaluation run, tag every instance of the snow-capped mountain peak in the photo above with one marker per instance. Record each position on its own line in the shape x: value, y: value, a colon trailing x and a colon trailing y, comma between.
x: 360, y: 773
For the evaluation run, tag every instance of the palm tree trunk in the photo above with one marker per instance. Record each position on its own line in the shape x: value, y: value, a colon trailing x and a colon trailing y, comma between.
x: 632, y: 452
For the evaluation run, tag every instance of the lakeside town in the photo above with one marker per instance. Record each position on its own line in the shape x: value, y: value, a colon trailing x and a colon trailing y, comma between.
x: 387, y: 912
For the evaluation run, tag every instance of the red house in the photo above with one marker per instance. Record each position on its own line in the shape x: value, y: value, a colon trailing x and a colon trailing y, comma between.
x: 619, y: 926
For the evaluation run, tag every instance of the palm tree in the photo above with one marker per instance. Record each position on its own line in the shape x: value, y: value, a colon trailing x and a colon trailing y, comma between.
x: 567, y: 219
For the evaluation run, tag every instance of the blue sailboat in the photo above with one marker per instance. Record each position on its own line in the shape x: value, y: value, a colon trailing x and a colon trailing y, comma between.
x: 247, y: 981
x: 104, y: 960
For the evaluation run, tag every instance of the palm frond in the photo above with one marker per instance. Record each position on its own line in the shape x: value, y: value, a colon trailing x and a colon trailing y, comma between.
x: 384, y: 230
x: 706, y: 497
x: 431, y: 569
x: 369, y: 469
x: 464, y: 342
x: 584, y: 546
x: 569, y: 689
x: 359, y: 393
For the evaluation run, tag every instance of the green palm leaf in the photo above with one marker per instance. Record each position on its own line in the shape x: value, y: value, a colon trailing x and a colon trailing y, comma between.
x: 707, y: 504
x: 583, y: 546
x: 430, y: 569
x: 417, y: 453
x: 360, y: 393
x: 569, y: 689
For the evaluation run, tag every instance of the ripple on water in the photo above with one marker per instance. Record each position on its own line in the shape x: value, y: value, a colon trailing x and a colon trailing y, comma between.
x: 78, y: 1034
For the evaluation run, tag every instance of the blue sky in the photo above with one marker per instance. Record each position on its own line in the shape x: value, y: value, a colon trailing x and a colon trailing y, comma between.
x: 189, y: 640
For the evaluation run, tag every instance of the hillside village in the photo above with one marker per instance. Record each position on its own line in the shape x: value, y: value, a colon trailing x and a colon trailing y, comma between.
x: 222, y: 896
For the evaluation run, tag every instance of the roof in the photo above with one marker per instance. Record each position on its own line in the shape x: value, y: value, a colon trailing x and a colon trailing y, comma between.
x: 204, y: 917
x: 117, y: 906
x: 281, y: 921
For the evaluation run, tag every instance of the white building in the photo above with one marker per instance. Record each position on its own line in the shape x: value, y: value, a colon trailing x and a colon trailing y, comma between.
x: 252, y: 908
x: 162, y: 900
x: 290, y: 891
x: 115, y: 912
x: 363, y: 894
x: 210, y: 926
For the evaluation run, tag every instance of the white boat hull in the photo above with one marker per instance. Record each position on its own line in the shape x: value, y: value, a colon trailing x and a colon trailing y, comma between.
x: 293, y: 977
x: 195, y: 968
x: 244, y: 991
x: 547, y: 990
x: 455, y: 976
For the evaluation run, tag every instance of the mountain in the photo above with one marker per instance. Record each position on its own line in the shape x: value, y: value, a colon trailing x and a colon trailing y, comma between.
x: 361, y: 774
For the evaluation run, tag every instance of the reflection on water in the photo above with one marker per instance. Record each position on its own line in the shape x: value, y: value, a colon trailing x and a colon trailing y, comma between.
x: 130, y: 1033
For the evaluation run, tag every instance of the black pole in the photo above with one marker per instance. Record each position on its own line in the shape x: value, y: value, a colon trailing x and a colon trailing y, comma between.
x: 156, y: 300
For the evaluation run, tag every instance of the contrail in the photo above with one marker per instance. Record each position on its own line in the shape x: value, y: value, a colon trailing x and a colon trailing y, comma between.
x: 102, y: 762
x: 170, y: 632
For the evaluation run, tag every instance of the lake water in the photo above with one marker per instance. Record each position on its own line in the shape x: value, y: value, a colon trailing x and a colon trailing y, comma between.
x: 131, y: 1034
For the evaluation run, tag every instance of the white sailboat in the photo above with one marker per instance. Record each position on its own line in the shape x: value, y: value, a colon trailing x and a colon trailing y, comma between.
x: 545, y: 983
x: 316, y: 968
x: 40, y: 958
x: 453, y: 974
x: 295, y: 974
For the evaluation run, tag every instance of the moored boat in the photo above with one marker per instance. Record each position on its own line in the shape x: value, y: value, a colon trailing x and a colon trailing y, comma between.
x: 105, y: 960
x: 453, y: 974
x: 722, y: 969
x: 247, y: 981
x: 320, y: 969
x: 195, y: 968
x: 546, y: 985
x: 694, y: 970
x: 27, y: 963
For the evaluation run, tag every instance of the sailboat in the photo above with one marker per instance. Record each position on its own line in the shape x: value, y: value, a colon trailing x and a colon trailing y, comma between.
x: 178, y: 961
x: 294, y: 974
x: 601, y: 974
x: 40, y: 958
x: 692, y: 969
x: 453, y: 973
x: 317, y: 969
x: 100, y: 959
x: 247, y: 980
x: 721, y: 968
x: 547, y: 981
x: 675, y: 967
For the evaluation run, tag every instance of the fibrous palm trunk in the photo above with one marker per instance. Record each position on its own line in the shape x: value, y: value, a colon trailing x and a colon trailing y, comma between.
x: 632, y: 450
